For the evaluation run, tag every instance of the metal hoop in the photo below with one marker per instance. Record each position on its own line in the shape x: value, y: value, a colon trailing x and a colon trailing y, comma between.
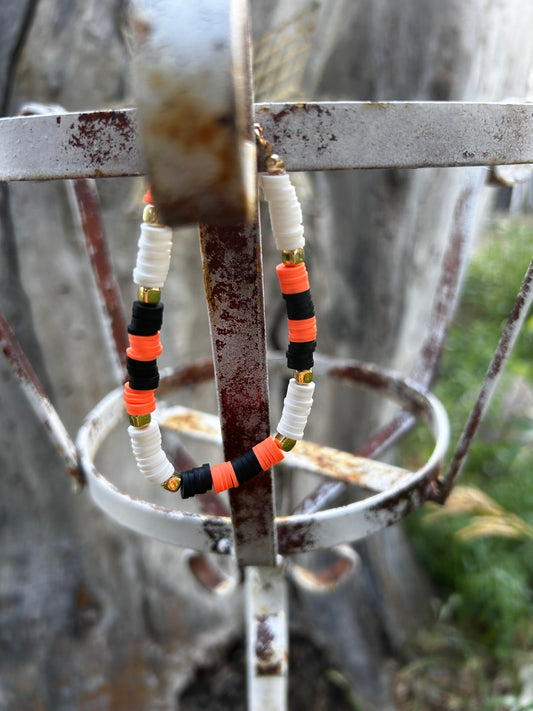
x: 297, y: 533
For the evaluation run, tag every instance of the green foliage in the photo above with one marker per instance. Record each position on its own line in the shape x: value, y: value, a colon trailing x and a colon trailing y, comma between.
x: 489, y: 579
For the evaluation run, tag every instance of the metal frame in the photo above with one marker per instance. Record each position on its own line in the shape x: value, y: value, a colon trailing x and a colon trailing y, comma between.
x: 393, y: 493
x: 313, y: 136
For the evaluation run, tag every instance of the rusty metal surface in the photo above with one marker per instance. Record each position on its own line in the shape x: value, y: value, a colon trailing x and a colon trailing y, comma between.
x: 207, y: 533
x: 297, y: 533
x: 446, y: 295
x: 86, y: 206
x: 267, y: 638
x: 41, y: 405
x: 307, y: 456
x: 91, y: 144
x: 233, y: 276
x: 503, y: 351
x: 324, y: 580
x: 318, y: 136
x: 192, y: 83
x: 322, y: 136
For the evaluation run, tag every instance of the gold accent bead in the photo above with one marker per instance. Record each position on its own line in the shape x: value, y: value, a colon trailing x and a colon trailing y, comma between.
x: 293, y: 256
x: 151, y: 216
x: 303, y: 377
x: 285, y: 443
x: 140, y: 420
x: 274, y: 164
x: 173, y: 483
x: 148, y: 296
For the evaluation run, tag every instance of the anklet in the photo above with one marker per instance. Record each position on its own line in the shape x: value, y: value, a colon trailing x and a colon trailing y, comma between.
x: 151, y: 269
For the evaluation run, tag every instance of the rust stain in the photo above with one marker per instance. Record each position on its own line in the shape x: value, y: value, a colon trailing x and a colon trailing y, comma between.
x: 27, y: 377
x: 205, y: 572
x: 295, y: 538
x: 101, y: 135
x: 267, y: 664
x: 191, y: 421
x: 349, y: 468
x: 100, y: 259
x: 189, y: 126
x: 327, y: 578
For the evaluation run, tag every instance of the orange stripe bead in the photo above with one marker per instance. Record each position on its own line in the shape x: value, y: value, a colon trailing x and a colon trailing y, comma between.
x: 293, y: 278
x: 139, y: 402
x: 144, y: 347
x: 224, y: 477
x: 302, y: 331
x: 268, y: 453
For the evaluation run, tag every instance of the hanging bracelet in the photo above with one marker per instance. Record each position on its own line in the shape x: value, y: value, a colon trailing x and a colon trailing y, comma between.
x: 149, y: 274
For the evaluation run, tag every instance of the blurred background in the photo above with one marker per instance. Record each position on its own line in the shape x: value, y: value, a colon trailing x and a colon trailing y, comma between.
x: 439, y: 614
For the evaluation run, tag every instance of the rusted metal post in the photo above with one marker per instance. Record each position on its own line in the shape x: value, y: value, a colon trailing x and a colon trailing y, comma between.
x: 234, y: 289
x: 267, y: 641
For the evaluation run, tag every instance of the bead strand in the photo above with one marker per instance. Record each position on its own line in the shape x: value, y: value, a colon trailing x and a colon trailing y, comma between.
x: 294, y: 283
x: 150, y: 273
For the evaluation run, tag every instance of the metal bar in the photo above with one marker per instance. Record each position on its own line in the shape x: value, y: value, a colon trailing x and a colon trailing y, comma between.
x: 86, y: 208
x: 503, y: 351
x: 191, y: 77
x: 38, y: 400
x: 308, y: 456
x: 314, y: 136
x: 446, y: 295
x: 234, y: 288
x: 267, y: 638
x: 340, y: 135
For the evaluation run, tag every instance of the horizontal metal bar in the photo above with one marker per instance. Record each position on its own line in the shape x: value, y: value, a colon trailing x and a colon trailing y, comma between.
x: 312, y: 136
x: 307, y: 456
x: 330, y: 136
x: 94, y: 144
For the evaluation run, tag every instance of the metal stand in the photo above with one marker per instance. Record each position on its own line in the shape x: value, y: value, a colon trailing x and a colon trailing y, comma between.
x: 311, y: 137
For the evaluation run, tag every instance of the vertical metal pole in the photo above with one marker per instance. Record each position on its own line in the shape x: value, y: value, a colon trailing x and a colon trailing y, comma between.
x: 234, y: 289
x: 266, y: 638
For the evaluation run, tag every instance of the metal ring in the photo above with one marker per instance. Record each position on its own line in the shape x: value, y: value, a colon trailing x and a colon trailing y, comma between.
x: 296, y: 533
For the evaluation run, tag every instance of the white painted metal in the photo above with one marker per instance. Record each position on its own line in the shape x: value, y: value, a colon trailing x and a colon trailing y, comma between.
x: 267, y: 638
x: 317, y: 136
x: 323, y: 529
x: 191, y: 78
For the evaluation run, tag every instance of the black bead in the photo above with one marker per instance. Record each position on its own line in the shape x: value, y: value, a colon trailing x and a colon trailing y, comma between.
x: 146, y: 319
x: 196, y: 481
x: 143, y: 374
x: 300, y: 355
x: 299, y: 306
x: 246, y: 466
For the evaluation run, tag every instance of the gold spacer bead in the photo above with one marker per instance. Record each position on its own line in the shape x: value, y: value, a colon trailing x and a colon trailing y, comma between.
x: 293, y: 256
x: 140, y: 420
x: 148, y: 296
x: 151, y: 216
x: 285, y: 443
x: 274, y: 164
x: 173, y: 483
x: 303, y: 377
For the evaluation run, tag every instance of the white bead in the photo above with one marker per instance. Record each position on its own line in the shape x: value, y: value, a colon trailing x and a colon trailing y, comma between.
x: 296, y: 409
x: 285, y: 211
x: 153, y: 256
x: 150, y: 457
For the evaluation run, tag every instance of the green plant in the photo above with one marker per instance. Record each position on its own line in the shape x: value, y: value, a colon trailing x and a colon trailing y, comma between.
x: 481, y: 555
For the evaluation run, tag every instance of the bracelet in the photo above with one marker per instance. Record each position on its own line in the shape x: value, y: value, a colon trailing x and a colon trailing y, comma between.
x: 149, y: 274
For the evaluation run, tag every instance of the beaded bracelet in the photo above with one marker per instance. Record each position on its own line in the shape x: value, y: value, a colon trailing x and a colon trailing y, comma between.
x: 151, y: 269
